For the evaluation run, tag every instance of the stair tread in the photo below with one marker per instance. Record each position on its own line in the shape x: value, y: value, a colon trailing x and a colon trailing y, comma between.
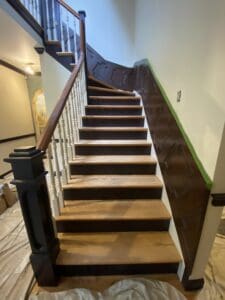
x: 53, y: 42
x: 66, y: 53
x: 116, y: 248
x: 114, y: 210
x: 112, y: 117
x: 113, y: 159
x: 116, y: 97
x: 113, y: 181
x: 114, y: 142
x: 114, y: 106
x: 116, y: 91
x: 113, y: 129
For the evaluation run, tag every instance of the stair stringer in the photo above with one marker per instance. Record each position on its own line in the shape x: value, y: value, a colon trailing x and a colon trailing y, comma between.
x: 165, y: 199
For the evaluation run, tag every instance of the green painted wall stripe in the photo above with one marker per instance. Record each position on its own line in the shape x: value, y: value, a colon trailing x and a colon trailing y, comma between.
x: 199, y: 164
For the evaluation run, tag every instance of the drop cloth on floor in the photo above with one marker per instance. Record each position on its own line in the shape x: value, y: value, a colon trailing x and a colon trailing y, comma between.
x: 129, y: 289
x: 16, y: 273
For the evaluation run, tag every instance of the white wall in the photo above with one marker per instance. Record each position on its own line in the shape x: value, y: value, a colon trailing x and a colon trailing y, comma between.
x: 185, y: 44
x: 110, y: 28
x: 54, y: 78
x: 15, y: 113
x: 17, y: 39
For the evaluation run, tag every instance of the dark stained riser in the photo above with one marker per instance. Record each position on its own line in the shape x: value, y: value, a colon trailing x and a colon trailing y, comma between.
x: 123, y: 269
x: 108, y: 193
x: 112, y: 101
x: 82, y: 149
x: 113, y: 110
x: 89, y: 134
x: 92, y: 81
x: 113, y: 121
x: 112, y: 225
x: 123, y: 169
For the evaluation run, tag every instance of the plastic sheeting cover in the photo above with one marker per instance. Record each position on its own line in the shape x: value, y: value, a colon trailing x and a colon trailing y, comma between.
x: 16, y: 273
x: 128, y: 289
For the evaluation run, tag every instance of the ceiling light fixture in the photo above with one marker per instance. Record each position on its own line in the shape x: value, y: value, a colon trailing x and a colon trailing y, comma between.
x: 29, y: 70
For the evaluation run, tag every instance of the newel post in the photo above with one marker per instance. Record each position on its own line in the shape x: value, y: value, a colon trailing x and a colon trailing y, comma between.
x: 29, y: 178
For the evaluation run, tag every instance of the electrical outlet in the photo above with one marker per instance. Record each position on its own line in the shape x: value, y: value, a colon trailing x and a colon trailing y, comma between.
x: 179, y: 95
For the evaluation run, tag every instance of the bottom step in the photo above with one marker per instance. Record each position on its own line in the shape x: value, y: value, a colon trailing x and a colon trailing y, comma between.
x: 116, y: 253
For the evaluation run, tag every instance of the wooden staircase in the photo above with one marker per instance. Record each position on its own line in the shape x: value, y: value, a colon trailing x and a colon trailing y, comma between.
x: 114, y: 221
x: 104, y: 192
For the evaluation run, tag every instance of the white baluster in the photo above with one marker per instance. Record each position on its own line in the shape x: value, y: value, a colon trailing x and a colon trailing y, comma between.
x: 72, y: 117
x: 69, y: 133
x: 75, y: 40
x: 62, y: 28
x: 35, y: 14
x: 37, y: 11
x: 84, y: 84
x: 62, y: 155
x: 79, y: 100
x: 65, y: 145
x: 52, y: 187
x: 82, y: 91
x: 75, y: 113
x: 33, y: 8
x: 54, y: 3
x: 48, y: 21
x: 58, y: 176
x: 68, y: 31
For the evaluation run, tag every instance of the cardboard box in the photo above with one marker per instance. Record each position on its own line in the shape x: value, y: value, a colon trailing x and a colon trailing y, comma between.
x: 9, y: 195
x: 3, y: 205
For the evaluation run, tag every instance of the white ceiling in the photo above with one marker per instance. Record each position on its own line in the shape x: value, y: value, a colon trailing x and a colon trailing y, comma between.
x: 16, y: 44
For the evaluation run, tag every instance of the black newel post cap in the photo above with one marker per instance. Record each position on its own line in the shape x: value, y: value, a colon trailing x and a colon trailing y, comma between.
x: 83, y: 13
x: 26, y: 163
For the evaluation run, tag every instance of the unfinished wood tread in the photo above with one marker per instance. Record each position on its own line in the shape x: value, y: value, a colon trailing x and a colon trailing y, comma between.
x: 102, y: 107
x: 65, y: 53
x: 113, y: 159
x: 53, y: 42
x: 113, y: 181
x: 116, y: 248
x: 113, y: 117
x: 108, y: 90
x: 87, y: 210
x: 113, y: 143
x: 132, y: 97
x: 141, y: 129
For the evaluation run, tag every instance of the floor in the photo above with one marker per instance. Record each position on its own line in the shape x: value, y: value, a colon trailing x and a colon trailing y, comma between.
x: 214, y: 288
x: 16, y: 274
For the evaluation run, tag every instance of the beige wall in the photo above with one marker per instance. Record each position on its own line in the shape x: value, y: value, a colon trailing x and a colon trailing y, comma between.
x: 54, y: 78
x: 185, y: 44
x: 15, y: 112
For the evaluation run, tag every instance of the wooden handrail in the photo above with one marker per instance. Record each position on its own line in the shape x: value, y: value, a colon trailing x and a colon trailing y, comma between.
x: 54, y: 118
x: 72, y: 11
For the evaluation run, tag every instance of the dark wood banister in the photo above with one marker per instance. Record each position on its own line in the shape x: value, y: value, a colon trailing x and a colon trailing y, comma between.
x: 54, y: 118
x: 72, y: 11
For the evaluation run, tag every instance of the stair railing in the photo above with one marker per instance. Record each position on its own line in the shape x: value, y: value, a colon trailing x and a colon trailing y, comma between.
x: 62, y: 132
x: 34, y: 8
x: 59, y: 21
x: 41, y: 171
